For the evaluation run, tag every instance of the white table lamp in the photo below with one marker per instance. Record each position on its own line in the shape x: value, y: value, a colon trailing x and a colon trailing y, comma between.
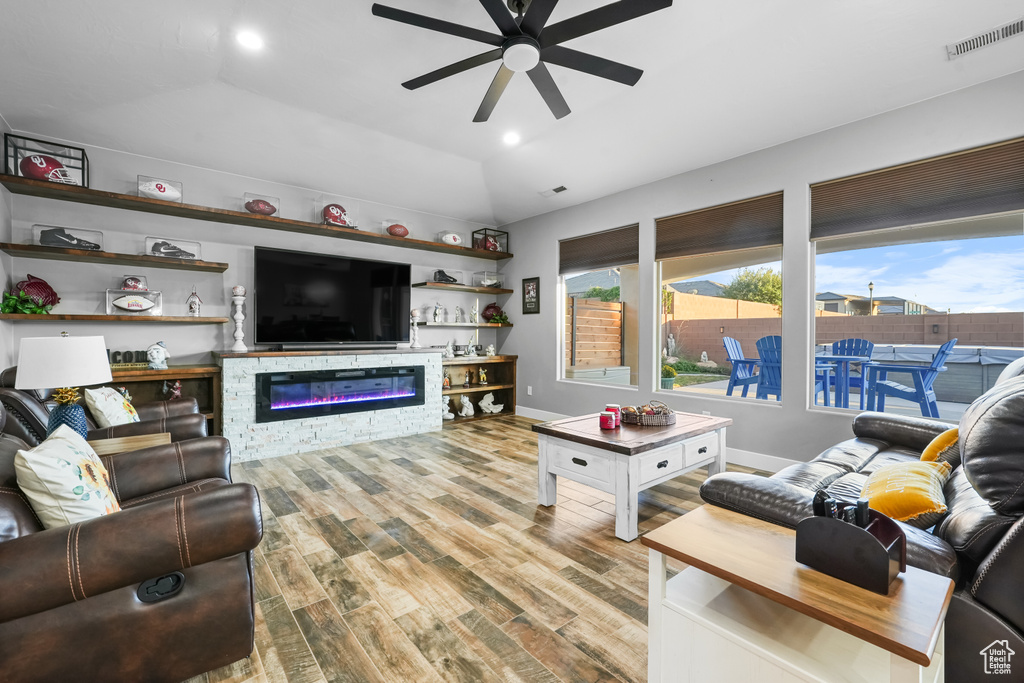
x: 63, y: 363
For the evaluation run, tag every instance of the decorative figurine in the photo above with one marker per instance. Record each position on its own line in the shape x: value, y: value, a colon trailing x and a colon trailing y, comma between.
x: 237, y: 299
x: 471, y: 347
x: 173, y: 389
x: 193, y: 302
x: 469, y: 378
x: 414, y: 329
x: 446, y: 383
x: 490, y: 350
x: 482, y: 374
x: 474, y: 317
x: 458, y: 314
x: 449, y: 352
x: 488, y: 405
x: 157, y: 355
x: 124, y: 392
x: 467, y: 407
x: 438, y: 312
x: 446, y: 409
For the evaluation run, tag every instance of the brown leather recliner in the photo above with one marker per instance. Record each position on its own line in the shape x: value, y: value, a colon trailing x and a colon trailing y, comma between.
x: 74, y: 600
x: 28, y: 412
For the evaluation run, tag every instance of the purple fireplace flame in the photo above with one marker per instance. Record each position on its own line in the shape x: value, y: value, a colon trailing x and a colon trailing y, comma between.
x: 293, y: 395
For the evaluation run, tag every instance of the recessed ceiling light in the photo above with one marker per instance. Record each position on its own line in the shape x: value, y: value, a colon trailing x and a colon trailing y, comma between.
x: 511, y: 138
x: 249, y: 40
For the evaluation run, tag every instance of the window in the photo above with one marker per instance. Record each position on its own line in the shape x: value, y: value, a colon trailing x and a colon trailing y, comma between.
x: 600, y: 276
x: 911, y: 291
x: 721, y: 294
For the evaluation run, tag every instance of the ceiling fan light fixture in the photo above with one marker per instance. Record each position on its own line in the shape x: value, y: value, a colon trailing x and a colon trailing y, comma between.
x: 521, y: 53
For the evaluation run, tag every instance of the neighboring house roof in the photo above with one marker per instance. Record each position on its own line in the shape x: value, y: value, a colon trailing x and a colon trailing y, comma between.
x: 606, y: 279
x: 886, y: 304
x: 832, y: 296
x: 700, y: 287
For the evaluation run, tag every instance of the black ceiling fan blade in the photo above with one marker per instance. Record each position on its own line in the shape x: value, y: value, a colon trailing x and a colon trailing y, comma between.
x: 591, y: 64
x: 502, y: 17
x: 545, y: 85
x: 452, y: 69
x: 600, y: 18
x: 493, y: 94
x: 536, y: 16
x: 439, y: 25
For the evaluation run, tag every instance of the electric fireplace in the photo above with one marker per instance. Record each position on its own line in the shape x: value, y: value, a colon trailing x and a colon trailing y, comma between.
x: 295, y: 395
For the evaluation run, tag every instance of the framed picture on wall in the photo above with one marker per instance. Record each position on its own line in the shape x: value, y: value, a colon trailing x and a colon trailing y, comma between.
x: 531, y: 295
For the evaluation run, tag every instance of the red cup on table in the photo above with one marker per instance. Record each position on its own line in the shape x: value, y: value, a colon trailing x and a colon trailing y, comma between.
x: 607, y: 420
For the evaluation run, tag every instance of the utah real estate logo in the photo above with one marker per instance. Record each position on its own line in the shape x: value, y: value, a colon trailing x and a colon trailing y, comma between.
x: 997, y: 657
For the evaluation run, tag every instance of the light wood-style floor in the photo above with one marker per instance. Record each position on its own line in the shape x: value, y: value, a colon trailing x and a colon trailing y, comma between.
x: 427, y: 558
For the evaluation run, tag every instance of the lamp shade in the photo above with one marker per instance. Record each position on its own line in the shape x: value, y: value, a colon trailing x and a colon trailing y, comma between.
x: 54, y: 362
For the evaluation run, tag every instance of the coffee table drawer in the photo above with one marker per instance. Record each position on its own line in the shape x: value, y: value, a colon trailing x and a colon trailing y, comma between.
x: 700, y: 448
x: 581, y: 466
x: 653, y: 466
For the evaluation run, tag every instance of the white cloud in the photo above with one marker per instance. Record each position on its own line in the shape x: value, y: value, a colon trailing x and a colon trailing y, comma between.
x: 846, y: 279
x: 949, y: 250
x: 974, y: 282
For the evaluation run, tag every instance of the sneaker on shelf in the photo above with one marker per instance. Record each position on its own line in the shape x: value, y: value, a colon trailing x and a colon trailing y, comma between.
x: 59, y: 237
x: 168, y: 249
x: 441, y: 276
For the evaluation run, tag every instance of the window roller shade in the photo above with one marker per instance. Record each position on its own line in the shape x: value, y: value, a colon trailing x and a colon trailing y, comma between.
x: 976, y: 182
x: 746, y: 224
x: 608, y: 249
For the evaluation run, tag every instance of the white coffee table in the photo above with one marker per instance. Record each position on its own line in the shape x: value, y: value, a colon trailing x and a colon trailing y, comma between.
x: 626, y: 460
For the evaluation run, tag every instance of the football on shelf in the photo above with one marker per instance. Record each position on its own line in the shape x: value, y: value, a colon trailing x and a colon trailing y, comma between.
x: 159, y: 189
x: 335, y: 214
x: 398, y: 230
x: 132, y: 302
x: 43, y: 167
x: 452, y: 238
x: 260, y: 206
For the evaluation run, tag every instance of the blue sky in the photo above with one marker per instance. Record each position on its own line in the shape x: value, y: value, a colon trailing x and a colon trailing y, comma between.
x: 966, y: 276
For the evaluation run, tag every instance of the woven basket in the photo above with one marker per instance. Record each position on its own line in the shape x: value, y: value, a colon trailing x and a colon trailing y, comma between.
x: 650, y: 420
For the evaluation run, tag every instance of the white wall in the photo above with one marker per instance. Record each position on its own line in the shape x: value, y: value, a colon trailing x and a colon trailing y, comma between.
x: 982, y: 114
x: 81, y: 285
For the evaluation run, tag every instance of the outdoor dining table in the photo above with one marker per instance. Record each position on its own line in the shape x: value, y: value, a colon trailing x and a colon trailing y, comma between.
x: 842, y: 364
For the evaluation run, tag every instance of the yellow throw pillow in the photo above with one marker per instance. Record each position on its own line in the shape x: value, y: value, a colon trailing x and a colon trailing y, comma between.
x: 64, y: 480
x: 944, y: 448
x: 910, y: 492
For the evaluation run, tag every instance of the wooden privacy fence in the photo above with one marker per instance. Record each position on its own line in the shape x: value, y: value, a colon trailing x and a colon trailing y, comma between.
x: 593, y: 333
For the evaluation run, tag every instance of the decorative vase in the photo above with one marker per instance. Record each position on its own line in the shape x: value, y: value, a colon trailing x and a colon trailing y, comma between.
x: 70, y: 414
x: 667, y: 382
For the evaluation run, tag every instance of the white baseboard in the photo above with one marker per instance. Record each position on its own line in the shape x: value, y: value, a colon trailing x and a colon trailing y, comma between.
x: 760, y: 461
x: 542, y: 415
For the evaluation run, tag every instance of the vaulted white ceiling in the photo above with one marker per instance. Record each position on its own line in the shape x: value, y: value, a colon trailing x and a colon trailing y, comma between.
x: 322, y: 107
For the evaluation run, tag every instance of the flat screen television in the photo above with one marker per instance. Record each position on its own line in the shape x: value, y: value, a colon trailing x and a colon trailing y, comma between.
x: 304, y: 298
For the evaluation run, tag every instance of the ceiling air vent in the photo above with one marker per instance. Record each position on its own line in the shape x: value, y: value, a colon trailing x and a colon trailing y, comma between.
x: 553, y: 191
x: 985, y: 39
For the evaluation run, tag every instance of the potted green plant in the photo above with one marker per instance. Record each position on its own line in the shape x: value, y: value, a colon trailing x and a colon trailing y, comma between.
x: 668, y: 376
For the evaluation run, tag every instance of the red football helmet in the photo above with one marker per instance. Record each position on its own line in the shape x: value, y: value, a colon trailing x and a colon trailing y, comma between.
x: 42, y: 167
x: 335, y: 214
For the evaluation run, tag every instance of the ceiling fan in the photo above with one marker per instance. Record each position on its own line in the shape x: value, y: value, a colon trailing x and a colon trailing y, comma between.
x: 526, y: 44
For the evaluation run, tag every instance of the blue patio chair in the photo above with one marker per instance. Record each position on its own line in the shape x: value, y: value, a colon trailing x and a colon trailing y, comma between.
x: 879, y: 386
x: 769, y: 349
x: 744, y: 370
x: 855, y: 347
x: 822, y: 381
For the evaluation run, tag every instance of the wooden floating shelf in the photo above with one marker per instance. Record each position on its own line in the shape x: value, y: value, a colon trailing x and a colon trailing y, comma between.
x: 85, y: 195
x: 473, y: 325
x: 175, y: 371
x: 475, y: 388
x: 89, y: 256
x: 476, y: 360
x: 448, y: 287
x: 57, y: 318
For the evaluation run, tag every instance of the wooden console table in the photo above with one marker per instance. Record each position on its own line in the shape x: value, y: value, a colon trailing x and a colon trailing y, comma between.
x: 626, y: 460
x: 747, y: 611
x: 201, y: 382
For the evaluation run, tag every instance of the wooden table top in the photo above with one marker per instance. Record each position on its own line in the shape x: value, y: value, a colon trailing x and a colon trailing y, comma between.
x: 630, y: 439
x: 759, y: 556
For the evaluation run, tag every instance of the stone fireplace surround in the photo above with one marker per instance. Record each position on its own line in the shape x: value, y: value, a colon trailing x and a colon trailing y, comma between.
x: 251, y: 440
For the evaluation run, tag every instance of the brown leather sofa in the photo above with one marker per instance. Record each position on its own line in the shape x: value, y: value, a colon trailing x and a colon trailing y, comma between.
x: 29, y: 411
x: 978, y: 543
x: 73, y: 600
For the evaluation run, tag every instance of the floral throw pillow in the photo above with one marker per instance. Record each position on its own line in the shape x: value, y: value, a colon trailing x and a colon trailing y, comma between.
x: 64, y: 480
x: 109, y: 408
